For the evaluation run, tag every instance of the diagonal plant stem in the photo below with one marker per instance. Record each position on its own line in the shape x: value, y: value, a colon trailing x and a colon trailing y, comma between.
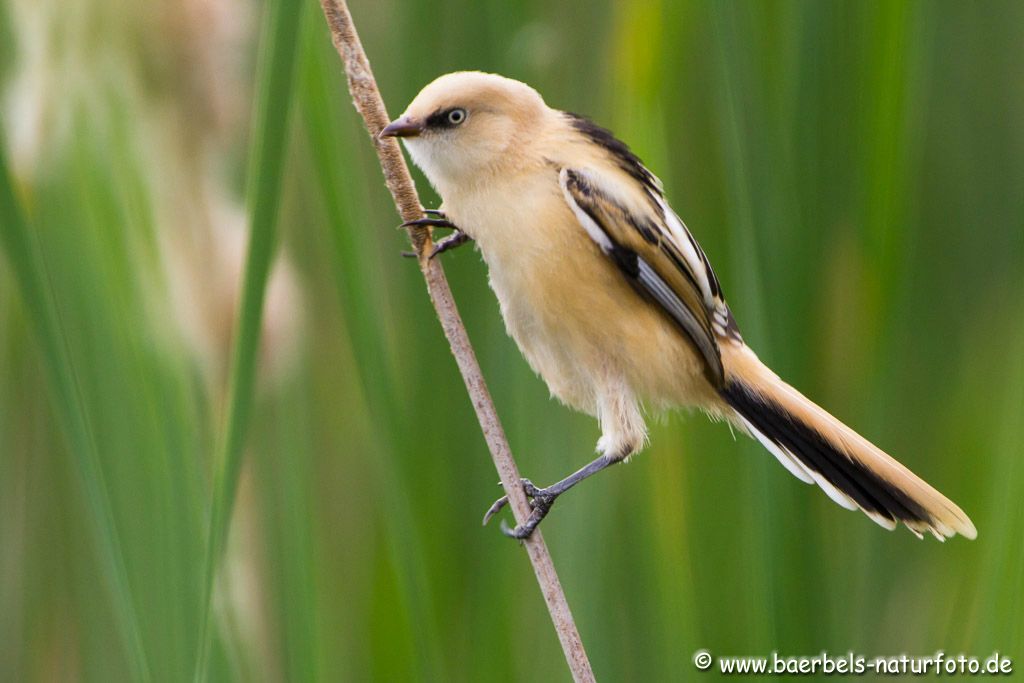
x: 368, y: 102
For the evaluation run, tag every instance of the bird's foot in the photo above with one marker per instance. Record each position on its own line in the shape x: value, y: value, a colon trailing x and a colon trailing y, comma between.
x: 432, y: 219
x: 429, y: 223
x: 456, y: 239
x: 540, y: 501
x: 437, y: 219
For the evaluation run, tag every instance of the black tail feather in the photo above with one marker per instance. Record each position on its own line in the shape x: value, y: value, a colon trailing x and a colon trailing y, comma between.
x: 818, y: 454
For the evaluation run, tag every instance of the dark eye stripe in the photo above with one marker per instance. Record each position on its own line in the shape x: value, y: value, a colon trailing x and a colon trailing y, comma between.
x: 439, y: 119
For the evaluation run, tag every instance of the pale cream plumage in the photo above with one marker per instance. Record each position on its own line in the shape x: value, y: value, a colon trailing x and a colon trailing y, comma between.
x: 613, y: 302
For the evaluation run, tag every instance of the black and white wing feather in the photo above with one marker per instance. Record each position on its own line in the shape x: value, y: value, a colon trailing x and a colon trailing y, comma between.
x: 656, y: 253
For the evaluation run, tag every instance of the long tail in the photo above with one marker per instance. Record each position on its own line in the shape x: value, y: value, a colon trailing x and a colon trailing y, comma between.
x: 819, y: 449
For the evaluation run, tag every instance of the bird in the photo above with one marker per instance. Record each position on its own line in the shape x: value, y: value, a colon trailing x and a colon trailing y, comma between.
x: 612, y: 301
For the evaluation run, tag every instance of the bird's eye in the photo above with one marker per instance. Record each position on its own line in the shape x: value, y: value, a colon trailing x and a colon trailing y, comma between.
x: 456, y: 116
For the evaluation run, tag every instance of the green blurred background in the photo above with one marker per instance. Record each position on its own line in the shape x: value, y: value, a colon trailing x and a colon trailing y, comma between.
x: 854, y: 170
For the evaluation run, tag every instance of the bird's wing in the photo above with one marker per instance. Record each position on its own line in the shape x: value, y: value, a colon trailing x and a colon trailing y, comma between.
x: 656, y: 253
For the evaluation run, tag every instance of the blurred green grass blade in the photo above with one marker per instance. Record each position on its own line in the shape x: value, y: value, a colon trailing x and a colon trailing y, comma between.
x: 30, y: 273
x: 730, y: 23
x: 266, y: 166
x: 1000, y: 575
x: 374, y: 377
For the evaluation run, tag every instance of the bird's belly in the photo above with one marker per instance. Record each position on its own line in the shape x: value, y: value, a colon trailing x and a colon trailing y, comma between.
x: 546, y: 345
x: 585, y: 331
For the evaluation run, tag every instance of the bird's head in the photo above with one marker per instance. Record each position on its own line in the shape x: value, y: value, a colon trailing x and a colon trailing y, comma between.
x: 465, y: 125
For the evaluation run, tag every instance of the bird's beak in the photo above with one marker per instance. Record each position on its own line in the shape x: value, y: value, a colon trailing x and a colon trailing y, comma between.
x: 402, y: 127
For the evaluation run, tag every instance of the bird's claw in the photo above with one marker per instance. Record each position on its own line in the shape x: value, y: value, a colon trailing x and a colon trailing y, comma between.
x: 495, y: 508
x: 436, y: 219
x: 429, y: 223
x: 540, y: 501
x: 432, y: 219
x: 456, y: 239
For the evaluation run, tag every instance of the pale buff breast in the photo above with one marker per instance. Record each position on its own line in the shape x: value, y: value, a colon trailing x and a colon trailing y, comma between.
x: 578, y: 322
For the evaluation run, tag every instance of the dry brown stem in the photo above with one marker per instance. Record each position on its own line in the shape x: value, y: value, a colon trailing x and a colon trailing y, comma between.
x: 370, y: 105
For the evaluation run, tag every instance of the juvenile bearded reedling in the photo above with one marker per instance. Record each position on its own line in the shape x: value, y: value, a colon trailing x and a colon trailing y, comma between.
x: 613, y: 302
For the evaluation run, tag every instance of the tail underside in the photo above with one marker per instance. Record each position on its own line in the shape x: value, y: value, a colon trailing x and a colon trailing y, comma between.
x: 819, y: 449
